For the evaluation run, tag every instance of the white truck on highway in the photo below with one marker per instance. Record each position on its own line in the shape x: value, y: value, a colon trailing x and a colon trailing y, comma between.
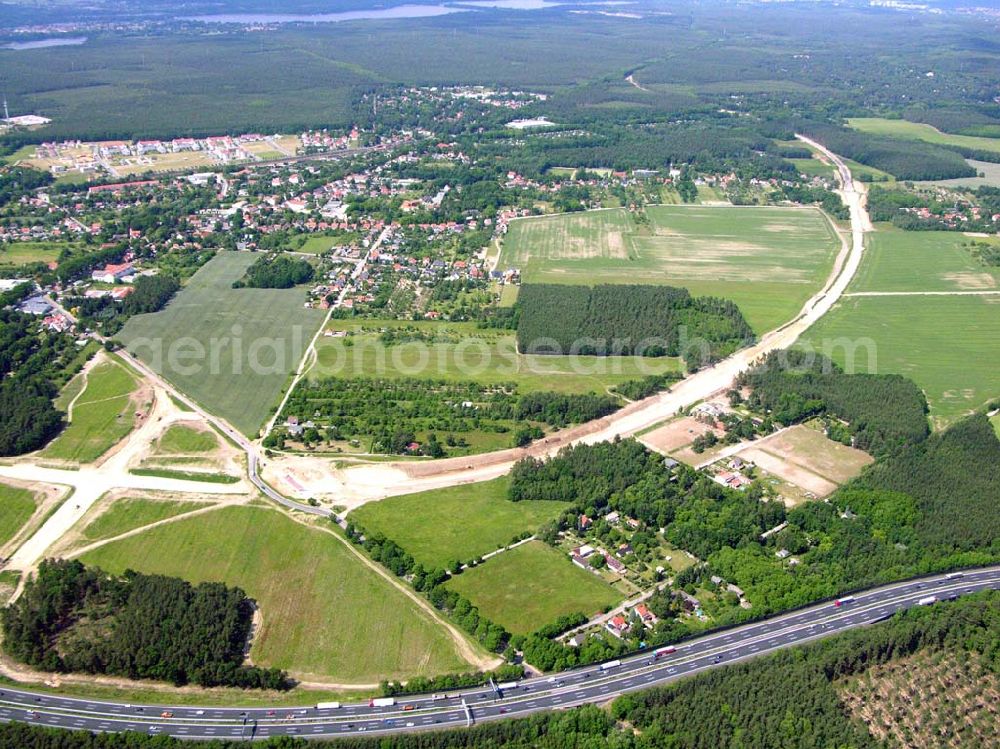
x: 927, y: 600
x: 327, y: 705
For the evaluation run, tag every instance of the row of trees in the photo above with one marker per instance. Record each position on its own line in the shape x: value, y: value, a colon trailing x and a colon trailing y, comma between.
x: 628, y: 320
x: 394, y: 413
x: 74, y: 618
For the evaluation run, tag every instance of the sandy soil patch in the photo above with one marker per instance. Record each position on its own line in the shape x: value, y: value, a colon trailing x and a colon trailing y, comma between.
x: 816, y: 453
x: 972, y: 281
x: 674, y: 435
x: 790, y: 472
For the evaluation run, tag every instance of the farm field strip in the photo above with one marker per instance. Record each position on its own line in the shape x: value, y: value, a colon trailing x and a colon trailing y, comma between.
x: 479, y: 356
x: 231, y: 350
x: 918, y: 261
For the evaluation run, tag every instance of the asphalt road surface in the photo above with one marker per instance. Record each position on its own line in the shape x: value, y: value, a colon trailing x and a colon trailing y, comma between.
x: 591, y: 684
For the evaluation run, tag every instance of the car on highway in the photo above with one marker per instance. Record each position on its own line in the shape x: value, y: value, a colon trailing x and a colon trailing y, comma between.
x: 166, y: 714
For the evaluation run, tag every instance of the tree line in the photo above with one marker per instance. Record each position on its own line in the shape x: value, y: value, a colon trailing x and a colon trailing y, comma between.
x: 71, y: 618
x: 628, y: 320
x: 905, y: 159
x: 149, y: 294
x: 276, y: 272
x: 33, y: 364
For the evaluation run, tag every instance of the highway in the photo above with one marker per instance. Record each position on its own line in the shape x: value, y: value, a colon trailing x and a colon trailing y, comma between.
x: 590, y: 684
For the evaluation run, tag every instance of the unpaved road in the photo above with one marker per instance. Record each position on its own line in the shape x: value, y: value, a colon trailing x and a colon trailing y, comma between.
x: 356, y: 485
x: 90, y: 482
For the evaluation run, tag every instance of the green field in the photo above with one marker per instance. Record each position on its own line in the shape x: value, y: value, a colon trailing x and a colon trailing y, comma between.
x: 16, y: 507
x: 232, y: 350
x: 459, y: 523
x: 948, y: 345
x: 463, y: 352
x: 183, y: 440
x: 769, y: 260
x: 324, y: 612
x: 919, y: 131
x: 130, y: 513
x: 532, y: 585
x: 102, y: 415
x: 21, y: 253
x: 813, y: 167
x: 897, y: 260
x: 995, y: 421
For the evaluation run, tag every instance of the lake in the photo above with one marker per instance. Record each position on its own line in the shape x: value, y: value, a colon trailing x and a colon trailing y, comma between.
x: 65, y: 41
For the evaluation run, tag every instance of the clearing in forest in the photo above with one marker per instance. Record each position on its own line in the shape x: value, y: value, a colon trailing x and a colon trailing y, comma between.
x: 769, y: 260
x: 807, y: 458
x: 531, y: 586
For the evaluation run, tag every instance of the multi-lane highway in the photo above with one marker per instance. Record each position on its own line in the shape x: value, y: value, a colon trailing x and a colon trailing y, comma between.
x: 591, y: 684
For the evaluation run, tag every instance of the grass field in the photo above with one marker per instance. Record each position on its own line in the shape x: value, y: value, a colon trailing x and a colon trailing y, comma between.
x: 462, y: 352
x: 184, y: 440
x: 919, y: 131
x: 768, y: 260
x: 459, y: 523
x: 995, y: 421
x: 948, y: 345
x: 532, y: 585
x: 324, y: 613
x: 897, y: 260
x: 21, y: 253
x: 813, y: 167
x: 232, y: 350
x: 16, y: 507
x: 129, y: 513
x: 102, y: 415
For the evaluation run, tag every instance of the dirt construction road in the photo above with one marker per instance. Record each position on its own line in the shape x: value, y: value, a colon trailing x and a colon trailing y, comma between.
x: 90, y: 482
x: 353, y: 486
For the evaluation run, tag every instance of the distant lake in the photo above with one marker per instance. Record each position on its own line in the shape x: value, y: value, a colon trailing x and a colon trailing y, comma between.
x: 400, y: 11
x: 59, y: 41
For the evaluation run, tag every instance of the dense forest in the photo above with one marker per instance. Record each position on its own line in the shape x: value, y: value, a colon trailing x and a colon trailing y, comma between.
x: 33, y: 364
x: 961, y: 463
x: 74, y: 618
x: 628, y: 319
x: 791, y: 386
x: 276, y: 272
x: 788, y: 699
